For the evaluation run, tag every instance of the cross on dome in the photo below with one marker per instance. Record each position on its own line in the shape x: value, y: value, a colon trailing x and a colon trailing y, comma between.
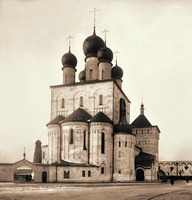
x: 94, y: 19
x: 69, y: 38
x: 116, y: 53
x: 105, y: 34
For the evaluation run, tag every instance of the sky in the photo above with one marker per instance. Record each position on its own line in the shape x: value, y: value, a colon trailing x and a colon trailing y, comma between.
x: 154, y: 41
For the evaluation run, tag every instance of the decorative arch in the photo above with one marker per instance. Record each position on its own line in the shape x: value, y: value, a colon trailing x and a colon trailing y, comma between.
x: 79, y: 100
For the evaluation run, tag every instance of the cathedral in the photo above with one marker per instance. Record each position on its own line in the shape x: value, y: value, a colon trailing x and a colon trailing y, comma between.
x: 90, y: 136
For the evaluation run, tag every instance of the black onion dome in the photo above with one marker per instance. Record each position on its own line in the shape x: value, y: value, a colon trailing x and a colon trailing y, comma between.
x: 69, y: 60
x: 82, y: 75
x: 92, y: 44
x: 105, y: 55
x: 116, y: 72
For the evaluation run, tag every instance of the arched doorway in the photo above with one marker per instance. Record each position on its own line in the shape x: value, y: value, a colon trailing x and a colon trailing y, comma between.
x: 23, y: 174
x: 140, y: 175
x: 44, y: 177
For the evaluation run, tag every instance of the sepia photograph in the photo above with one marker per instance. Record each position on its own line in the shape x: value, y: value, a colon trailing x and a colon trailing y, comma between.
x: 95, y: 99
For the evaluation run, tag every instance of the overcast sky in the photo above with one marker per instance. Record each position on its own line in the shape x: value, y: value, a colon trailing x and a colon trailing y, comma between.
x: 154, y: 39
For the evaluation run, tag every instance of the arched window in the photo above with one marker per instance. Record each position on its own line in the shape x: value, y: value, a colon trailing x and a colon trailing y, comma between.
x: 71, y: 136
x: 125, y: 143
x: 102, y: 170
x: 89, y: 173
x: 65, y: 78
x: 103, y: 142
x: 100, y: 99
x: 91, y: 74
x: 102, y: 74
x: 83, y: 173
x: 81, y: 101
x: 62, y: 103
x: 119, y: 143
x: 84, y: 141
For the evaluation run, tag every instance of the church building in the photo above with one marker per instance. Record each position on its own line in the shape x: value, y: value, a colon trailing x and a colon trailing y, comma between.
x: 90, y: 136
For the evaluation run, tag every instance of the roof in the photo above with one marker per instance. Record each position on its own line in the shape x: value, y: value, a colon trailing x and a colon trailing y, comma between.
x: 144, y: 160
x: 140, y: 122
x: 56, y: 120
x: 78, y: 115
x: 71, y: 164
x: 101, y: 117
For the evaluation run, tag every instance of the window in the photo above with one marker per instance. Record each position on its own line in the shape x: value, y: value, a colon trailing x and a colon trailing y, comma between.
x: 102, y: 142
x: 119, y: 143
x: 119, y: 171
x: 65, y: 78
x: 125, y: 143
x: 119, y: 154
x: 62, y: 103
x: 100, y: 99
x: 91, y: 74
x: 102, y: 74
x: 81, y: 102
x: 83, y: 173
x: 66, y: 174
x: 131, y: 144
x: 84, y: 141
x: 89, y: 173
x: 102, y: 170
x: 71, y: 136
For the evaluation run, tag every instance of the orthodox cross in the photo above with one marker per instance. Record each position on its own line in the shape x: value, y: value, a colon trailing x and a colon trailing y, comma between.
x: 94, y: 11
x: 116, y: 52
x: 105, y: 34
x: 69, y: 38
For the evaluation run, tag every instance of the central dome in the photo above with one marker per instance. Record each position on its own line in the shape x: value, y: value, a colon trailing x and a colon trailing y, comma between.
x: 92, y: 44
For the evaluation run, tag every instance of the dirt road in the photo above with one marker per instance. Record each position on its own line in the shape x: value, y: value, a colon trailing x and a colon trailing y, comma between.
x: 118, y: 191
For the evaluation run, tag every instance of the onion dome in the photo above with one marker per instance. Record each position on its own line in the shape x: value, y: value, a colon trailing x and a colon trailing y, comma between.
x: 92, y: 44
x: 105, y: 55
x: 122, y: 126
x: 116, y: 72
x: 69, y: 60
x: 82, y: 75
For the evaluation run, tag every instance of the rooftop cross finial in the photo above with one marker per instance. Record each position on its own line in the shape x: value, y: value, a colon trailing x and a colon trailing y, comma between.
x: 116, y: 52
x: 94, y: 20
x: 142, y: 107
x: 69, y: 38
x: 105, y: 32
x: 24, y: 154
